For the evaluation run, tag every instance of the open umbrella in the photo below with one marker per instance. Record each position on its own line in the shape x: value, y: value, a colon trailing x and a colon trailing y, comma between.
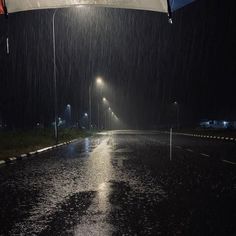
x: 166, y: 6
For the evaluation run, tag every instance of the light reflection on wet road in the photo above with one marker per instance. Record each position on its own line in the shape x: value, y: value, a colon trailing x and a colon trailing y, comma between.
x: 117, y: 184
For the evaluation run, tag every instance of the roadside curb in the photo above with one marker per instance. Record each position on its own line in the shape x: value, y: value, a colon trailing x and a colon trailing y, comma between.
x: 206, y: 136
x: 34, y: 153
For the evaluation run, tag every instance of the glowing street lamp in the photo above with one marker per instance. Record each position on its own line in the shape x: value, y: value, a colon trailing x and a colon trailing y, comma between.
x: 99, y: 82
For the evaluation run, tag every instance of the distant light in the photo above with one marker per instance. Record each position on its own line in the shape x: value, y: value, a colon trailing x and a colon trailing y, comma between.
x: 109, y: 109
x: 99, y: 81
x: 104, y: 99
x: 176, y: 103
x: 68, y: 105
x: 170, y: 21
x: 86, y: 114
x: 225, y: 123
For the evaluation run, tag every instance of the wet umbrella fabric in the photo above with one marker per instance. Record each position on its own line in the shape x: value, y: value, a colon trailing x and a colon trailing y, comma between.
x: 151, y: 5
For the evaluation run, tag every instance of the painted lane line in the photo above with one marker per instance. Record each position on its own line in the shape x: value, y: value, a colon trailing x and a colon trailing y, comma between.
x: 205, y: 155
x: 2, y: 162
x: 189, y: 150
x: 32, y: 153
x: 25, y: 155
x: 43, y: 149
x: 229, y: 162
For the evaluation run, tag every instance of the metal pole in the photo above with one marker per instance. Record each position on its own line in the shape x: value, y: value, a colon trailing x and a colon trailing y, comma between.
x: 105, y: 118
x: 90, y: 107
x: 178, y: 124
x: 55, y: 77
x: 98, y: 117
x: 171, y: 143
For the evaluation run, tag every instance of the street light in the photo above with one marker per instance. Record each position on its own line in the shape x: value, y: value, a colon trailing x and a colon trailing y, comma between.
x: 106, y: 104
x: 68, y: 113
x: 55, y: 77
x: 99, y: 82
x: 177, y: 114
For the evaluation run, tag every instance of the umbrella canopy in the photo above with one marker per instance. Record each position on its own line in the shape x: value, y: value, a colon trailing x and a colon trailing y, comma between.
x: 151, y: 5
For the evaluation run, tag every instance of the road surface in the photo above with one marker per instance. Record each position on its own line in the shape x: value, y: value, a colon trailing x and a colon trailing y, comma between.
x: 123, y: 183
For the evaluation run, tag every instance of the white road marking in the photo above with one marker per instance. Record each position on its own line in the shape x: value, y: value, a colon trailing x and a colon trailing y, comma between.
x: 32, y: 153
x: 2, y: 162
x: 229, y: 162
x: 203, y: 154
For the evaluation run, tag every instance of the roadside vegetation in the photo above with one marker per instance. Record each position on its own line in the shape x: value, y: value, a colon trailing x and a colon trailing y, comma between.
x: 13, y: 143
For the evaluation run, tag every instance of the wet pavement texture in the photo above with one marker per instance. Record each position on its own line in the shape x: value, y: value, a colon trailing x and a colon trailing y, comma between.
x: 123, y: 183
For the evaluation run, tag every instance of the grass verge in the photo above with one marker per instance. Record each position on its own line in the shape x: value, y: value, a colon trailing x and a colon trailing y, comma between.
x: 16, y: 143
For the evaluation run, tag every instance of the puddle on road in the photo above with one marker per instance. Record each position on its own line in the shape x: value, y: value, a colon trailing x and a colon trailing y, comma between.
x: 95, y: 221
x: 68, y: 214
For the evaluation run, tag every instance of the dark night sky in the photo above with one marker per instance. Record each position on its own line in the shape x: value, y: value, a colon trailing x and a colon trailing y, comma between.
x: 147, y: 63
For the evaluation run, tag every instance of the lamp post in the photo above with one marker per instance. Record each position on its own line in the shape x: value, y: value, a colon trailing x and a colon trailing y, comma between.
x: 177, y: 114
x: 68, y: 115
x: 55, y: 78
x: 106, y: 103
x: 109, y: 117
x: 99, y: 82
x: 90, y: 107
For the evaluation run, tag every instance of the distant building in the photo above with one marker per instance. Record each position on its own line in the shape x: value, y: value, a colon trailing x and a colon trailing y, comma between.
x: 217, y: 124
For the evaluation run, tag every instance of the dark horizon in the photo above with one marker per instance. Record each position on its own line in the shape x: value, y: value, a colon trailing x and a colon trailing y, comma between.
x: 147, y: 64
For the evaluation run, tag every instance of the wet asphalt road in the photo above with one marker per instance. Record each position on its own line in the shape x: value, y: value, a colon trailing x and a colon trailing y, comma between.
x: 122, y: 183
